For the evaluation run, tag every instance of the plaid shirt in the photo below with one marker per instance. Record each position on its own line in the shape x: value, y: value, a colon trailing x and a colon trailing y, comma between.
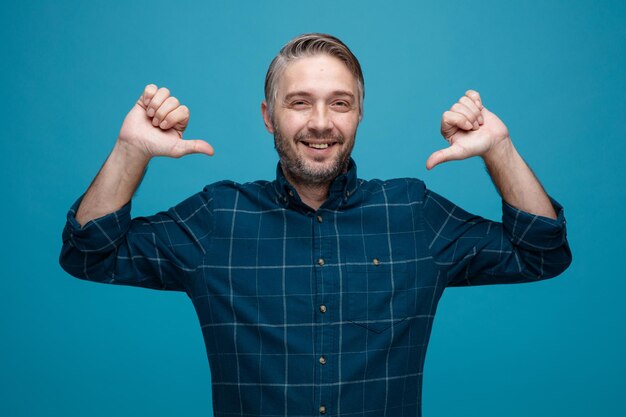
x: 315, y: 312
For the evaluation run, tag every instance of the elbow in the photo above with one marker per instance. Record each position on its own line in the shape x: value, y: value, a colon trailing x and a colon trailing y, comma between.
x: 71, y: 263
x: 557, y: 263
x: 82, y: 265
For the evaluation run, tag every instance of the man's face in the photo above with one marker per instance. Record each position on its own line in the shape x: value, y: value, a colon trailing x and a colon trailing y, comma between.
x: 316, y: 114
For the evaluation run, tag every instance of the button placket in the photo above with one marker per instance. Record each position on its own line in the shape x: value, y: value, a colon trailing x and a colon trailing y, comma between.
x: 325, y: 270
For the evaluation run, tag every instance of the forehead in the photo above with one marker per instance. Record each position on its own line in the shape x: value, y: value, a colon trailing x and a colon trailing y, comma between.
x: 316, y: 74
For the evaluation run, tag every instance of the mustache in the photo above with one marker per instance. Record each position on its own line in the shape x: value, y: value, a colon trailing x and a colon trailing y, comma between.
x: 320, y: 136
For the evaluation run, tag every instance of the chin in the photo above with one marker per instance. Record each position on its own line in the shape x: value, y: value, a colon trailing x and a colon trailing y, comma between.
x: 309, y: 169
x: 322, y: 172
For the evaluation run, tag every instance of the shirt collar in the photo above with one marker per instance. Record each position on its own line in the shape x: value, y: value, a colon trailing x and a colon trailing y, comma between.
x: 342, y: 188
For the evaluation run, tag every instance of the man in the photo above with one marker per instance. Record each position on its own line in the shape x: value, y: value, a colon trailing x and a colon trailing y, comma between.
x: 316, y: 292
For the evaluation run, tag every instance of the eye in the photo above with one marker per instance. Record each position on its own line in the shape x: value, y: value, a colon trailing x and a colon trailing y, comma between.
x: 341, y: 105
x: 298, y: 104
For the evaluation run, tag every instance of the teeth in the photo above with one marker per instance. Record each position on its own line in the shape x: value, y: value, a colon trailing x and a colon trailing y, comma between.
x: 318, y: 145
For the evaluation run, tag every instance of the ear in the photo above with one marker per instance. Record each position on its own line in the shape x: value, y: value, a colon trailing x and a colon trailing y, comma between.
x: 266, y: 117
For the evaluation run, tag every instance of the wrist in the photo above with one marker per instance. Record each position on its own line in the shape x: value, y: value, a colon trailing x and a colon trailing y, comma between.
x: 129, y: 154
x: 502, y: 151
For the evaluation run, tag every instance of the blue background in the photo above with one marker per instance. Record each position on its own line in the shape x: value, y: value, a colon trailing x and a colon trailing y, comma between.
x: 553, y: 71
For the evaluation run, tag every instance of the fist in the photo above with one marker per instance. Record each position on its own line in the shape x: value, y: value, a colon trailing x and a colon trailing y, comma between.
x: 155, y: 126
x: 470, y: 129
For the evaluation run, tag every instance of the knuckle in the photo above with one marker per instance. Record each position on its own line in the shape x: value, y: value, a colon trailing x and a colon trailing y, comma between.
x: 172, y: 119
x: 471, y: 105
x: 148, y: 92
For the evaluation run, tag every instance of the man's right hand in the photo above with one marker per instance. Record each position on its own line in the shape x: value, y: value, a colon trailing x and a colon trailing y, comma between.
x: 155, y: 126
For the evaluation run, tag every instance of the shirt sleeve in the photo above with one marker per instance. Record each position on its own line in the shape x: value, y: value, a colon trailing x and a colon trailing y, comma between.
x: 155, y: 252
x: 475, y: 251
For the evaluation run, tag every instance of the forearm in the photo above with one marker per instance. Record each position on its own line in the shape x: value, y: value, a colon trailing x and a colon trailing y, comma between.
x: 114, y: 185
x: 515, y: 181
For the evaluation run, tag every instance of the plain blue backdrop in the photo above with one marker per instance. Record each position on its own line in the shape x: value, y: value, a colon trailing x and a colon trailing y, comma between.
x: 553, y: 71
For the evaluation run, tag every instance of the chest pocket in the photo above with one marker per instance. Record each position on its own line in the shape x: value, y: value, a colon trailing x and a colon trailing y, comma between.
x: 377, y: 295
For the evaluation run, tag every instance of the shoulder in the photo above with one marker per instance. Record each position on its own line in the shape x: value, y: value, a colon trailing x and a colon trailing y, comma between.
x: 227, y: 193
x: 395, y: 189
x: 233, y: 187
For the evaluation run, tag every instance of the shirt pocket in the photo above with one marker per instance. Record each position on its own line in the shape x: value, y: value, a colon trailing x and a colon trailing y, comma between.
x: 376, y: 293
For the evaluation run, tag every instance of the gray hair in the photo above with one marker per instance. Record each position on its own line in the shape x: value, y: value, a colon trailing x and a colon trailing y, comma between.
x: 311, y: 44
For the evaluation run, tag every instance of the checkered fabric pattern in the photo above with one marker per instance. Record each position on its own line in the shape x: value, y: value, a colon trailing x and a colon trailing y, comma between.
x: 324, y: 312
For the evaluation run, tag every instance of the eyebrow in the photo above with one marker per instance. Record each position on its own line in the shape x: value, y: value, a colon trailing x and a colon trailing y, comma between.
x: 307, y: 94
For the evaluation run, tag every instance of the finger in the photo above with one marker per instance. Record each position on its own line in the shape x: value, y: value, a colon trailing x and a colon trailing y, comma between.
x: 452, y: 121
x: 168, y: 105
x: 148, y: 92
x: 463, y: 111
x: 451, y: 153
x: 470, y: 104
x: 461, y: 108
x: 177, y: 118
x: 188, y: 147
x: 156, y: 101
x: 475, y: 97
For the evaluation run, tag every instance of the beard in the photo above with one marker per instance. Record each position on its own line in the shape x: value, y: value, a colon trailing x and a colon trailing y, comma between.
x: 306, y: 172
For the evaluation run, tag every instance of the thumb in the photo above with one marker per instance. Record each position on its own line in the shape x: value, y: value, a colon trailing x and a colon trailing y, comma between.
x: 451, y: 153
x: 187, y: 147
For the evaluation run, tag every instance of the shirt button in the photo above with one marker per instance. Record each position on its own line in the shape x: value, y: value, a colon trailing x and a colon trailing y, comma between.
x: 291, y: 193
x: 322, y: 409
x: 322, y: 308
x: 322, y: 360
x: 376, y: 262
x: 319, y: 219
x: 320, y: 261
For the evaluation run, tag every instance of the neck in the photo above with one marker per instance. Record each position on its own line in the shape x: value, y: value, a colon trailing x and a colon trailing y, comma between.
x: 313, y: 195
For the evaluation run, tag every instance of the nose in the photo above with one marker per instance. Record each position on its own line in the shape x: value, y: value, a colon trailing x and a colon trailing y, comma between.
x: 320, y: 120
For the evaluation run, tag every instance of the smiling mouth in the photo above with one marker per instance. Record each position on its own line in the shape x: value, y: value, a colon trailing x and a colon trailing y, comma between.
x: 319, y: 145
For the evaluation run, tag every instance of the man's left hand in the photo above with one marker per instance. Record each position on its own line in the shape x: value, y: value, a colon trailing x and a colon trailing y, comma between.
x: 470, y: 129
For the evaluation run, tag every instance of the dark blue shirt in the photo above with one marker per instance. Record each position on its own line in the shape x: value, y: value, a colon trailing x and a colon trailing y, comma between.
x: 309, y: 312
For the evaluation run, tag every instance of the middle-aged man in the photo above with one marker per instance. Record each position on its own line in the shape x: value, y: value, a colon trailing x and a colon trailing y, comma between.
x: 316, y: 292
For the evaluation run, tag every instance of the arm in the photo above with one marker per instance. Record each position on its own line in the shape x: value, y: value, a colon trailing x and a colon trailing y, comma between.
x: 158, y: 251
x: 472, y: 130
x: 471, y: 250
x: 153, y: 127
x: 101, y: 242
x: 529, y: 244
x: 515, y: 182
